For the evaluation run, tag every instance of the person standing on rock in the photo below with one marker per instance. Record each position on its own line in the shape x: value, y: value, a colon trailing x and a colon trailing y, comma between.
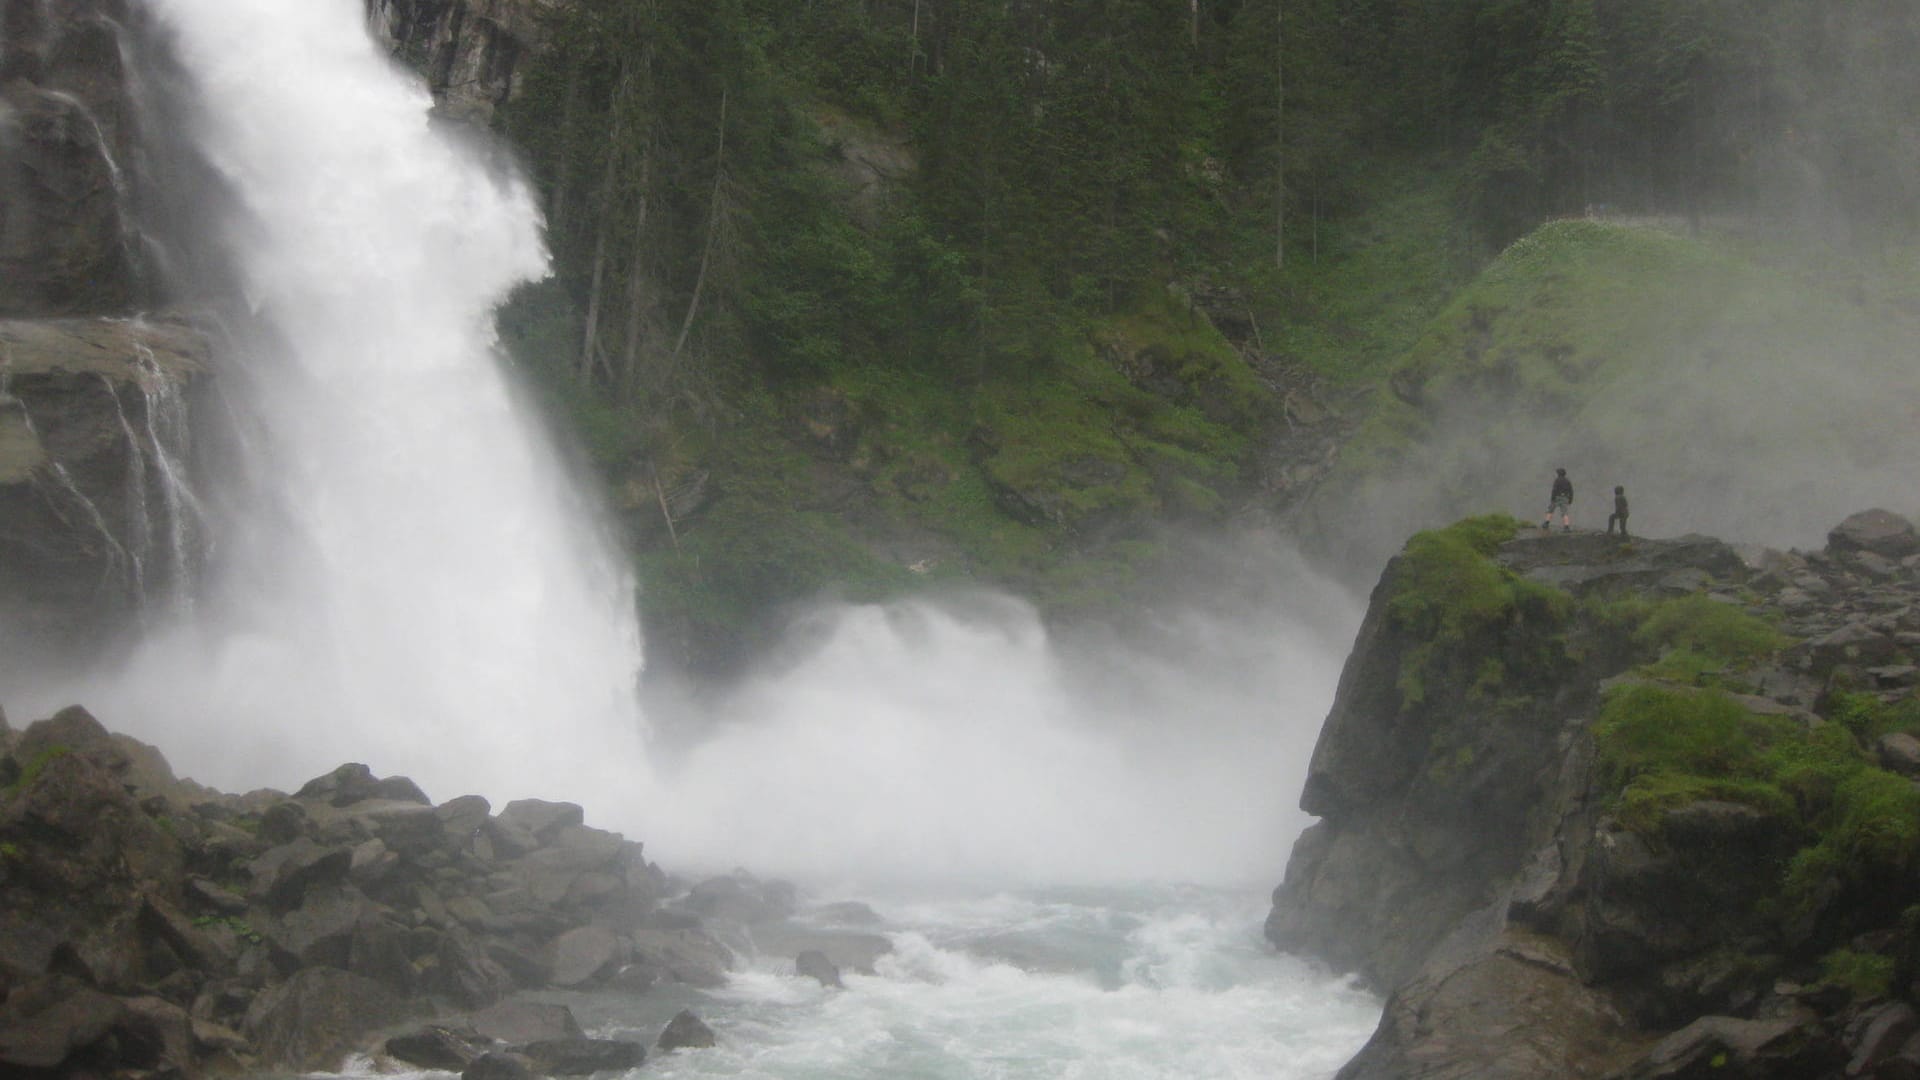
x: 1619, y: 512
x: 1560, y: 501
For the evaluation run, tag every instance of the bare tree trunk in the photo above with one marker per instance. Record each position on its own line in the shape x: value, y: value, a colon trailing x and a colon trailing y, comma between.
x: 1193, y: 21
x: 1280, y: 134
x: 590, y: 335
x: 666, y: 514
x: 713, y: 227
x: 637, y: 281
x: 913, y: 41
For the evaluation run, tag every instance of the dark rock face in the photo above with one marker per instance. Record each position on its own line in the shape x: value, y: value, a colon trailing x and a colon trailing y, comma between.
x: 471, y: 51
x: 93, y: 458
x: 686, y: 1032
x: 94, y: 402
x: 168, y: 926
x: 1471, y: 861
x: 66, y: 135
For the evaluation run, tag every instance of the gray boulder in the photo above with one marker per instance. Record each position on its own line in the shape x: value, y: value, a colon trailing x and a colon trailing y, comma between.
x: 354, y: 782
x: 519, y: 1022
x: 582, y: 1057
x: 44, y: 1022
x: 282, y: 876
x: 498, y: 1065
x: 540, y: 818
x: 686, y: 956
x: 312, y: 1020
x: 1881, y: 532
x: 814, y: 964
x: 585, y: 953
x: 685, y: 1032
x: 447, y: 1047
x: 1728, y: 1046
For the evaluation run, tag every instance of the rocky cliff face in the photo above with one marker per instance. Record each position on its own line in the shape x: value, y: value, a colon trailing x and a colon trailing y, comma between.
x: 95, y: 513
x: 1594, y: 808
x: 471, y: 51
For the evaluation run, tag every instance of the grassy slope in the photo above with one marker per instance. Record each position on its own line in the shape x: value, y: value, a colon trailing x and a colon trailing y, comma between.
x: 1735, y: 388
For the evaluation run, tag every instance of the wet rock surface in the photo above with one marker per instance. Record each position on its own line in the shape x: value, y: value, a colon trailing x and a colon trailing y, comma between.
x: 471, y: 51
x: 94, y: 392
x: 150, y: 923
x: 1470, y: 860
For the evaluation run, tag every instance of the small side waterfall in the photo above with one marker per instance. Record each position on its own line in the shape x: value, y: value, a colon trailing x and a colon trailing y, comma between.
x: 408, y: 577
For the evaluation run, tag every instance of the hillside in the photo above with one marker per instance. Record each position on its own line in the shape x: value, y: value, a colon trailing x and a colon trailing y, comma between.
x: 856, y: 296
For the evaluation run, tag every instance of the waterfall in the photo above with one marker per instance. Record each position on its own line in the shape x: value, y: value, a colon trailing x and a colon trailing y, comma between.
x: 407, y: 577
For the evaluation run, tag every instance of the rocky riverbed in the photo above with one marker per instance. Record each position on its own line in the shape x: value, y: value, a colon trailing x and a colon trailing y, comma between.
x: 152, y: 927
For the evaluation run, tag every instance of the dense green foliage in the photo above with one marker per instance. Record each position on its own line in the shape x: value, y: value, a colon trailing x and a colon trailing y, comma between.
x: 970, y: 220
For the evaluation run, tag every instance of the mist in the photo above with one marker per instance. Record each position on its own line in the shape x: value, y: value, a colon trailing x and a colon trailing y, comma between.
x: 1787, y: 398
x: 956, y: 738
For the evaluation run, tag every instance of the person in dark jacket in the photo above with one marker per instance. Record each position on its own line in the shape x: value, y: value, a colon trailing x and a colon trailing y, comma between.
x: 1560, y: 502
x: 1619, y: 512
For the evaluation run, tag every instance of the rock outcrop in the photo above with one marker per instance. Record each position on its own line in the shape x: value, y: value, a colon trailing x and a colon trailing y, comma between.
x: 95, y: 511
x: 471, y: 51
x: 1603, y: 809
x: 149, y: 923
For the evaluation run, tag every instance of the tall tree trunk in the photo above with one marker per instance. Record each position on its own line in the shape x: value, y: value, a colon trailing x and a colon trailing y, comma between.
x: 637, y: 282
x: 913, y: 41
x: 590, y: 335
x: 1280, y: 134
x: 713, y: 227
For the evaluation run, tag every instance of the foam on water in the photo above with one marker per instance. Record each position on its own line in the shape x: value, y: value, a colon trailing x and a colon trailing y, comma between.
x: 1196, y: 995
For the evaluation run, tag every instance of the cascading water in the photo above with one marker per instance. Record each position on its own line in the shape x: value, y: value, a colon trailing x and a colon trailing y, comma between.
x: 413, y: 579
x: 408, y: 579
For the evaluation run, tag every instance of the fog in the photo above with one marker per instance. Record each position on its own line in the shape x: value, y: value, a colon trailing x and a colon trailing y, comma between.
x: 955, y: 738
x: 1769, y: 429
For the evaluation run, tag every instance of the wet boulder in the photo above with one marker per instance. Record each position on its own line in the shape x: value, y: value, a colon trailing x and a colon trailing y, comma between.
x: 584, y: 954
x: 1880, y: 532
x: 315, y: 1018
x: 519, y: 1022
x: 498, y: 1065
x: 541, y: 819
x: 814, y: 964
x: 282, y: 876
x: 446, y: 1047
x: 685, y: 1032
x: 47, y: 1021
x: 354, y: 782
x: 582, y: 1056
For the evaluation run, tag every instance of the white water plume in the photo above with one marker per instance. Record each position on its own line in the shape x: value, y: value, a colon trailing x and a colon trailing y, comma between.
x: 955, y: 741
x: 410, y: 580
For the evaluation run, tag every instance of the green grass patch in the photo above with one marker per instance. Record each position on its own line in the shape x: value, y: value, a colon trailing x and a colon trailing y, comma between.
x: 1865, y: 976
x: 1448, y: 590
